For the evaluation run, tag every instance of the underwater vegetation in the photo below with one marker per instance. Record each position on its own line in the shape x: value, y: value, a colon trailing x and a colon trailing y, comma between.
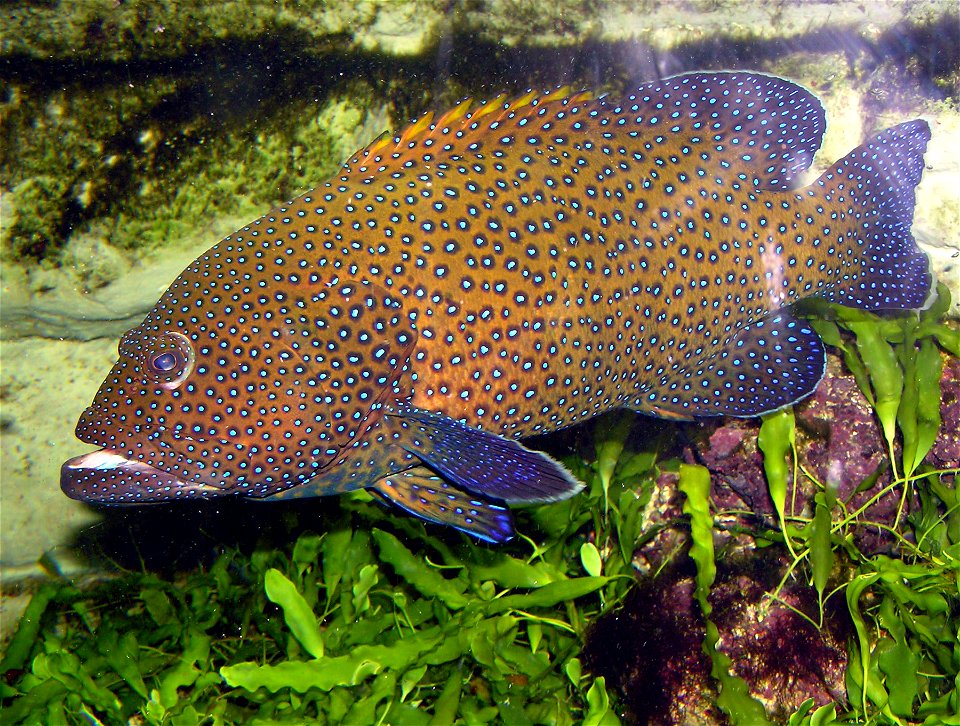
x: 382, y: 619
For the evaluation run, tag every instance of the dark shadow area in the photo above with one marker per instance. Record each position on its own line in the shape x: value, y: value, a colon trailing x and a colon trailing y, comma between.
x: 174, y: 537
x: 179, y: 536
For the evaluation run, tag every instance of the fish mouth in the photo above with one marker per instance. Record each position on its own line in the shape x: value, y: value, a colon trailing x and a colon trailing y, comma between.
x: 138, y: 464
x: 106, y: 476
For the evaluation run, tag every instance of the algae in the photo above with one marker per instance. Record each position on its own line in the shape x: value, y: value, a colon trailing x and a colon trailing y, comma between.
x: 140, y: 123
x: 115, y: 163
x: 109, y: 31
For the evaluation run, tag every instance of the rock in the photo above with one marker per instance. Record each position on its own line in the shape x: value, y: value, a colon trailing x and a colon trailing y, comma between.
x: 649, y: 650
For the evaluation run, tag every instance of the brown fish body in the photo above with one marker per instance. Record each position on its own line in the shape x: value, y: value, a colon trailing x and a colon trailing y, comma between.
x: 509, y: 271
x: 567, y: 282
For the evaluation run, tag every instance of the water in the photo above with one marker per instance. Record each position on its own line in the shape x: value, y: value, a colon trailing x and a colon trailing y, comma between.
x: 135, y: 139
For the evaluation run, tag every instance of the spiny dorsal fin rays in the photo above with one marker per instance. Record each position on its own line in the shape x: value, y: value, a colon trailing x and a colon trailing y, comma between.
x: 387, y: 150
x: 749, y: 129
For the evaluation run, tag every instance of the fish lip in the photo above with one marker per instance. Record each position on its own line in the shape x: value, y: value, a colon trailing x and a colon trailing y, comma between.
x: 105, y: 476
x: 114, y: 475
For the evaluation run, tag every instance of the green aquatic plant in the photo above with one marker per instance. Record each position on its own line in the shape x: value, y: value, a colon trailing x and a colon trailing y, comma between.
x: 377, y: 620
x: 904, y: 662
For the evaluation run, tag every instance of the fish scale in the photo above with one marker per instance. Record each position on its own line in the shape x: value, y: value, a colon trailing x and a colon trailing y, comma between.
x: 500, y: 271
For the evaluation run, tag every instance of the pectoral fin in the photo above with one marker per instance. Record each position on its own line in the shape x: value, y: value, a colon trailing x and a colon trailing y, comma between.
x: 478, y: 461
x: 424, y: 494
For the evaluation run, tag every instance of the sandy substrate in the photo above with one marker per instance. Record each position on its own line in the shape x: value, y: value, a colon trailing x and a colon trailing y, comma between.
x: 44, y: 386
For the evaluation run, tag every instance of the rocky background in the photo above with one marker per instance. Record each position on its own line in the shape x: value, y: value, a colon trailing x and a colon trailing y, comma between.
x: 134, y: 134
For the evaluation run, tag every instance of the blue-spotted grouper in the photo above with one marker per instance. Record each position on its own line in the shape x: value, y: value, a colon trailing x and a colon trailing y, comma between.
x: 503, y: 270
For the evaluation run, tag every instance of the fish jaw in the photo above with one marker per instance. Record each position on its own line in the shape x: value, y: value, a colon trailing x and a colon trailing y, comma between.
x: 107, y: 477
x: 136, y: 464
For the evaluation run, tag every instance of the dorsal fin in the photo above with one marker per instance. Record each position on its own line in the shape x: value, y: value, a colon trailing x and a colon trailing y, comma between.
x: 460, y: 122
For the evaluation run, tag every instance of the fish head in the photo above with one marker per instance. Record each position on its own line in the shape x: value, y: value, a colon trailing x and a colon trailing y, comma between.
x: 247, y: 393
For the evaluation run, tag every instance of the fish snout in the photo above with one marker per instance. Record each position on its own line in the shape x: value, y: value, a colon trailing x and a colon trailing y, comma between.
x: 106, y: 476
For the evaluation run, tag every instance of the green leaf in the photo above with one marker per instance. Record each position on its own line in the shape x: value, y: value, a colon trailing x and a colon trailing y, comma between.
x: 427, y: 580
x: 549, y: 595
x: 886, y: 376
x: 48, y: 692
x: 512, y: 572
x: 861, y: 669
x: 574, y: 670
x: 297, y: 614
x: 776, y: 440
x: 734, y: 698
x: 599, y: 712
x: 410, y: 680
x: 326, y: 673
x: 800, y: 716
x: 159, y: 607
x: 306, y: 551
x: 67, y: 668
x: 196, y: 649
x: 821, y: 545
x: 364, y: 709
x: 123, y: 655
x: 694, y: 482
x: 361, y: 588
x: 590, y: 559
x: 534, y: 634
x: 630, y: 507
x: 28, y: 629
x: 920, y: 421
x: 900, y: 665
x: 482, y: 638
x: 610, y: 436
x: 826, y: 715
x: 334, y: 547
x: 446, y: 706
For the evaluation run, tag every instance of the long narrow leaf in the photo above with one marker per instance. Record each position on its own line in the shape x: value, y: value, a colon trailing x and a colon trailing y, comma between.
x: 296, y: 612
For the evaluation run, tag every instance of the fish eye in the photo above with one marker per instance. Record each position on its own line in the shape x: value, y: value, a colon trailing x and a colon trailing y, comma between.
x: 166, y: 362
x: 171, y: 360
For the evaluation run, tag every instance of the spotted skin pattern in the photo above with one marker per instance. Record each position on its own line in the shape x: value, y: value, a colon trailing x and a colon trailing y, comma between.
x: 501, y: 271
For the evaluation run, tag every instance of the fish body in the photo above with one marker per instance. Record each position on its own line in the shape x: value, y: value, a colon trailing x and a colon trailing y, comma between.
x: 502, y: 271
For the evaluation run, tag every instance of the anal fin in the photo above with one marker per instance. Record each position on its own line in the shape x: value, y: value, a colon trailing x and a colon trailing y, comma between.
x: 424, y: 494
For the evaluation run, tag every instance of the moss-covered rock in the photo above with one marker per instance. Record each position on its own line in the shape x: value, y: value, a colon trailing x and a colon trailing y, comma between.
x: 108, y: 31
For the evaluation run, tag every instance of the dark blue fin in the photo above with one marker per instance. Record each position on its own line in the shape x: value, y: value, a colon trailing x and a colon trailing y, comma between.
x: 752, y: 130
x: 424, y: 494
x: 884, y: 267
x: 773, y: 363
x: 476, y: 460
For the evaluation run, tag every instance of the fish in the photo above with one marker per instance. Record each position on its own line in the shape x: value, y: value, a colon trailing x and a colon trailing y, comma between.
x: 501, y: 270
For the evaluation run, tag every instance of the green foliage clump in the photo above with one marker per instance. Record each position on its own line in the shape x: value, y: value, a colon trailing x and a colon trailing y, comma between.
x: 904, y: 662
x: 376, y: 620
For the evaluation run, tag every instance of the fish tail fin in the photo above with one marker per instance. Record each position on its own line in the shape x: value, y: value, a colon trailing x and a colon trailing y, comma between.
x: 880, y: 265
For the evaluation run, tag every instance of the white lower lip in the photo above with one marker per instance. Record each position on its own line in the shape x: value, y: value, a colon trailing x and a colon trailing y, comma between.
x: 102, y: 459
x: 107, y: 459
